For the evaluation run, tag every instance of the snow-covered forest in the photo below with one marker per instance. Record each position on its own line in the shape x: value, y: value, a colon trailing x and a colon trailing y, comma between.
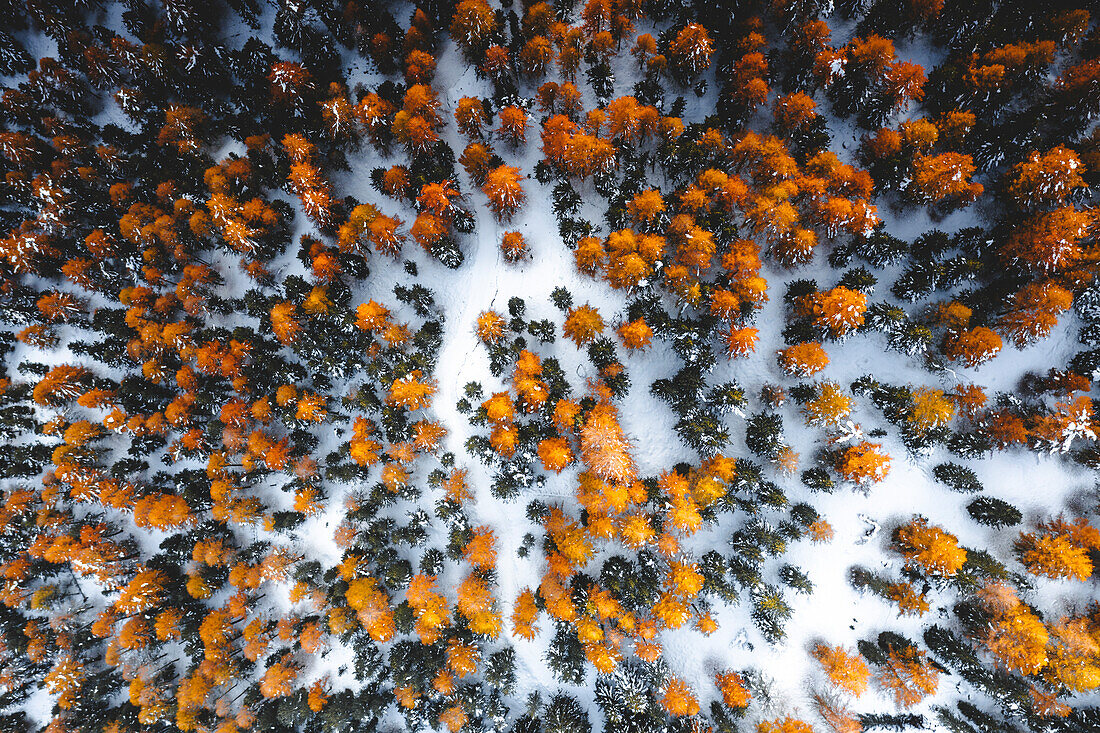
x: 549, y: 367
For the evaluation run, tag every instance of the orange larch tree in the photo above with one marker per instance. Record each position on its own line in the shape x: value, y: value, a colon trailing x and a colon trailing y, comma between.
x: 972, y: 346
x: 504, y: 190
x: 908, y: 675
x: 734, y: 692
x: 1045, y: 179
x: 929, y: 548
x: 839, y: 310
x: 472, y: 24
x: 944, y: 177
x: 1014, y: 635
x: 583, y: 325
x: 678, y: 699
x: 604, y: 447
x: 410, y: 392
x: 278, y: 680
x: 470, y: 117
x: 930, y: 410
x: 635, y: 334
x: 1033, y: 312
x: 784, y: 725
x: 555, y: 454
x: 845, y: 670
x: 513, y: 246
x: 1059, y: 549
x: 525, y: 613
x: 863, y: 462
x: 691, y: 50
x: 490, y: 327
x: 1050, y: 241
x: 829, y: 407
x: 513, y: 125
x: 804, y: 359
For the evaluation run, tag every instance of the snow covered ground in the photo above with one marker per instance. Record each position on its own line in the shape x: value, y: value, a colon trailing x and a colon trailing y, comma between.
x: 835, y: 612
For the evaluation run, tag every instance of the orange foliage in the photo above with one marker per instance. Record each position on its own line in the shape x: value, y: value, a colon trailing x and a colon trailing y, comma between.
x: 691, y: 50
x: 945, y: 177
x: 555, y: 454
x: 863, y: 463
x: 513, y: 246
x: 804, y: 359
x: 909, y: 675
x: 372, y: 607
x: 513, y: 124
x: 972, y: 346
x: 678, y: 700
x: 480, y: 551
x: 410, y: 393
x: 60, y: 383
x: 431, y: 608
x: 1047, y: 178
x: 1050, y: 241
x: 732, y: 687
x: 604, y: 447
x: 845, y: 670
x: 583, y: 325
x: 525, y: 613
x: 1034, y: 311
x: 930, y: 548
x: 783, y: 725
x: 470, y: 116
x: 838, y: 310
x: 1015, y: 636
x: 1060, y: 549
x: 635, y: 334
x: 504, y: 190
x: 278, y: 680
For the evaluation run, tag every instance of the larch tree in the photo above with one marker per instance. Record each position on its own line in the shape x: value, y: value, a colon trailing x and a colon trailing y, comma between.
x: 490, y: 327
x: 1075, y: 654
x: 513, y: 246
x: 472, y: 24
x: 678, y: 699
x: 1033, y: 312
x: 838, y: 310
x: 1050, y: 241
x: 1015, y: 637
x: 525, y: 613
x: 1059, y: 549
x: 691, y: 50
x: 504, y: 191
x: 793, y: 111
x: 1045, y: 178
x: 972, y: 346
x: 278, y: 680
x: 555, y: 454
x: 513, y: 125
x: 803, y: 359
x: 583, y: 325
x: 930, y: 409
x: 735, y: 694
x: 604, y: 447
x: 944, y: 178
x: 845, y: 670
x: 829, y: 407
x: 929, y: 548
x: 784, y: 725
x: 863, y: 463
x: 908, y: 675
x: 635, y: 334
x: 470, y: 117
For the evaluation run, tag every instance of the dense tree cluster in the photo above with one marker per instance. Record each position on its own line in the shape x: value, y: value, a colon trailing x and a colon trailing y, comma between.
x: 225, y: 464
